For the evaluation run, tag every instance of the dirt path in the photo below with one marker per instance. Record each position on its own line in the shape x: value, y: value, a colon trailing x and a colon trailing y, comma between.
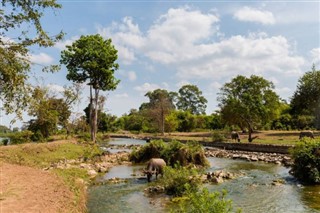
x: 26, y: 189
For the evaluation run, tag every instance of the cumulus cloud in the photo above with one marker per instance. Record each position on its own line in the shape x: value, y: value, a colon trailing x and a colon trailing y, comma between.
x: 41, y: 58
x: 187, y: 40
x: 177, y: 28
x: 146, y: 87
x: 254, y: 15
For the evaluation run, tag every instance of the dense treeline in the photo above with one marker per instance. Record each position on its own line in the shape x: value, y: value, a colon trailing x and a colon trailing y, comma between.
x: 245, y: 103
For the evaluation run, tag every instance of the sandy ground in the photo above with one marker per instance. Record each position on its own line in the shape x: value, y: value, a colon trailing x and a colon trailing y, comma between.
x: 27, y: 190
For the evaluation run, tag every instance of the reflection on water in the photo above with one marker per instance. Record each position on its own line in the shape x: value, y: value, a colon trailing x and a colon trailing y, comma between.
x: 124, y: 197
x: 254, y: 191
x: 124, y: 172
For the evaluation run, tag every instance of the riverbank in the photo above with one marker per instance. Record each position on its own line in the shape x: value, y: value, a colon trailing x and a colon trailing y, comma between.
x: 50, y: 177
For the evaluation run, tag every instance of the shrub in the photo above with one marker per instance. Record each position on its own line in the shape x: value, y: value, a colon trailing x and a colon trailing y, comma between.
x: 218, y: 136
x: 172, y: 152
x: 150, y: 150
x: 203, y: 201
x: 178, y: 180
x: 20, y: 137
x: 306, y: 156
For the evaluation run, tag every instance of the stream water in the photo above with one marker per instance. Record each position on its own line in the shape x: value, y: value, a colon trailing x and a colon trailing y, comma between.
x: 253, y: 191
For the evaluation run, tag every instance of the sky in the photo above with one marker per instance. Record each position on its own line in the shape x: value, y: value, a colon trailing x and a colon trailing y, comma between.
x: 168, y: 44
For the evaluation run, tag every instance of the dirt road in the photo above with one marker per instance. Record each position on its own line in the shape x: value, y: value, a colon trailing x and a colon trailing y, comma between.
x: 27, y: 190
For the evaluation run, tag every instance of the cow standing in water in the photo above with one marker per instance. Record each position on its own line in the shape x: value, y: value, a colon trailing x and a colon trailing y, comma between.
x: 155, y: 166
x: 235, y: 136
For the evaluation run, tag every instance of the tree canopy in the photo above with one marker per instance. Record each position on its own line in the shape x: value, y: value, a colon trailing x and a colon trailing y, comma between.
x: 21, y: 28
x: 248, y: 102
x: 190, y: 99
x: 92, y: 59
x: 160, y: 104
x: 306, y: 98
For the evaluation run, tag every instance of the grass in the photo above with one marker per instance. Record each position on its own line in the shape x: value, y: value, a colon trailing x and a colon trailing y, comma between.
x: 42, y: 155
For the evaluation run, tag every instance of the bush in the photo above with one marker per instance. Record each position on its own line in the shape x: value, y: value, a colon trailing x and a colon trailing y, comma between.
x: 20, y: 137
x: 203, y: 201
x: 217, y: 137
x: 177, y: 181
x: 148, y: 151
x: 306, y: 156
x: 172, y: 152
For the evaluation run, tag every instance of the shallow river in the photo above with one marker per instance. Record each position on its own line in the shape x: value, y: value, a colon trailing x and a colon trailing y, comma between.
x: 252, y: 192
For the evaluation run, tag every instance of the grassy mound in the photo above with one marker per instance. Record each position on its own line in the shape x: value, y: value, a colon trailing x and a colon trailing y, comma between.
x: 173, y: 152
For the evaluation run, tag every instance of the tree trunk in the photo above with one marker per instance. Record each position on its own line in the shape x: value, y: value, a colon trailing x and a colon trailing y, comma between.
x: 91, y: 115
x: 162, y: 122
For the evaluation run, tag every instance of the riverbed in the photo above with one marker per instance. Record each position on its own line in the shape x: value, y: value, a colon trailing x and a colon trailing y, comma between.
x: 262, y: 187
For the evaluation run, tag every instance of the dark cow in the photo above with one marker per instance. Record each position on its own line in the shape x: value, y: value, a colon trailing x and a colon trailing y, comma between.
x: 306, y: 134
x: 235, y: 136
x: 155, y: 166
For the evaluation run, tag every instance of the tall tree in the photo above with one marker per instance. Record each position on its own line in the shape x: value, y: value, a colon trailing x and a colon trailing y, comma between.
x: 190, y: 99
x: 306, y: 99
x: 160, y: 104
x: 20, y: 24
x: 92, y: 59
x: 248, y: 102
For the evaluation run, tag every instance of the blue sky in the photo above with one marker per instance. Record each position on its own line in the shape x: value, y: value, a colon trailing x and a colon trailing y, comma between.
x: 167, y: 44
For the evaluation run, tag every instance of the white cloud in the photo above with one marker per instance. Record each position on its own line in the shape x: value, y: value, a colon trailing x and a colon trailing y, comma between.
x: 123, y: 95
x: 146, y: 87
x: 55, y: 88
x: 254, y: 15
x: 242, y: 55
x: 61, y: 45
x: 315, y: 55
x: 42, y: 58
x: 182, y: 83
x: 187, y: 41
x: 132, y: 76
x: 167, y: 39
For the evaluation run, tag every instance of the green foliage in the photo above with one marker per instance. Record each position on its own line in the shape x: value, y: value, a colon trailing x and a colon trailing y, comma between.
x: 186, y: 121
x: 20, y: 137
x: 190, y: 99
x: 92, y: 59
x: 177, y: 181
x: 159, y: 106
x: 21, y: 28
x: 148, y: 151
x: 172, y: 152
x: 248, y: 102
x: 4, y: 129
x: 306, y: 98
x: 306, y: 156
x: 203, y: 201
x: 218, y: 136
x: 49, y: 112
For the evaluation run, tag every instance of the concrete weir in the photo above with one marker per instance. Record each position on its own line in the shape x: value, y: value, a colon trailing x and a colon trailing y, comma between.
x: 251, y: 147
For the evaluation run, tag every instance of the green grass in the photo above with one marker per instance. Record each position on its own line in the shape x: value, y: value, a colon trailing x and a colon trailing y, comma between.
x: 43, y: 154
